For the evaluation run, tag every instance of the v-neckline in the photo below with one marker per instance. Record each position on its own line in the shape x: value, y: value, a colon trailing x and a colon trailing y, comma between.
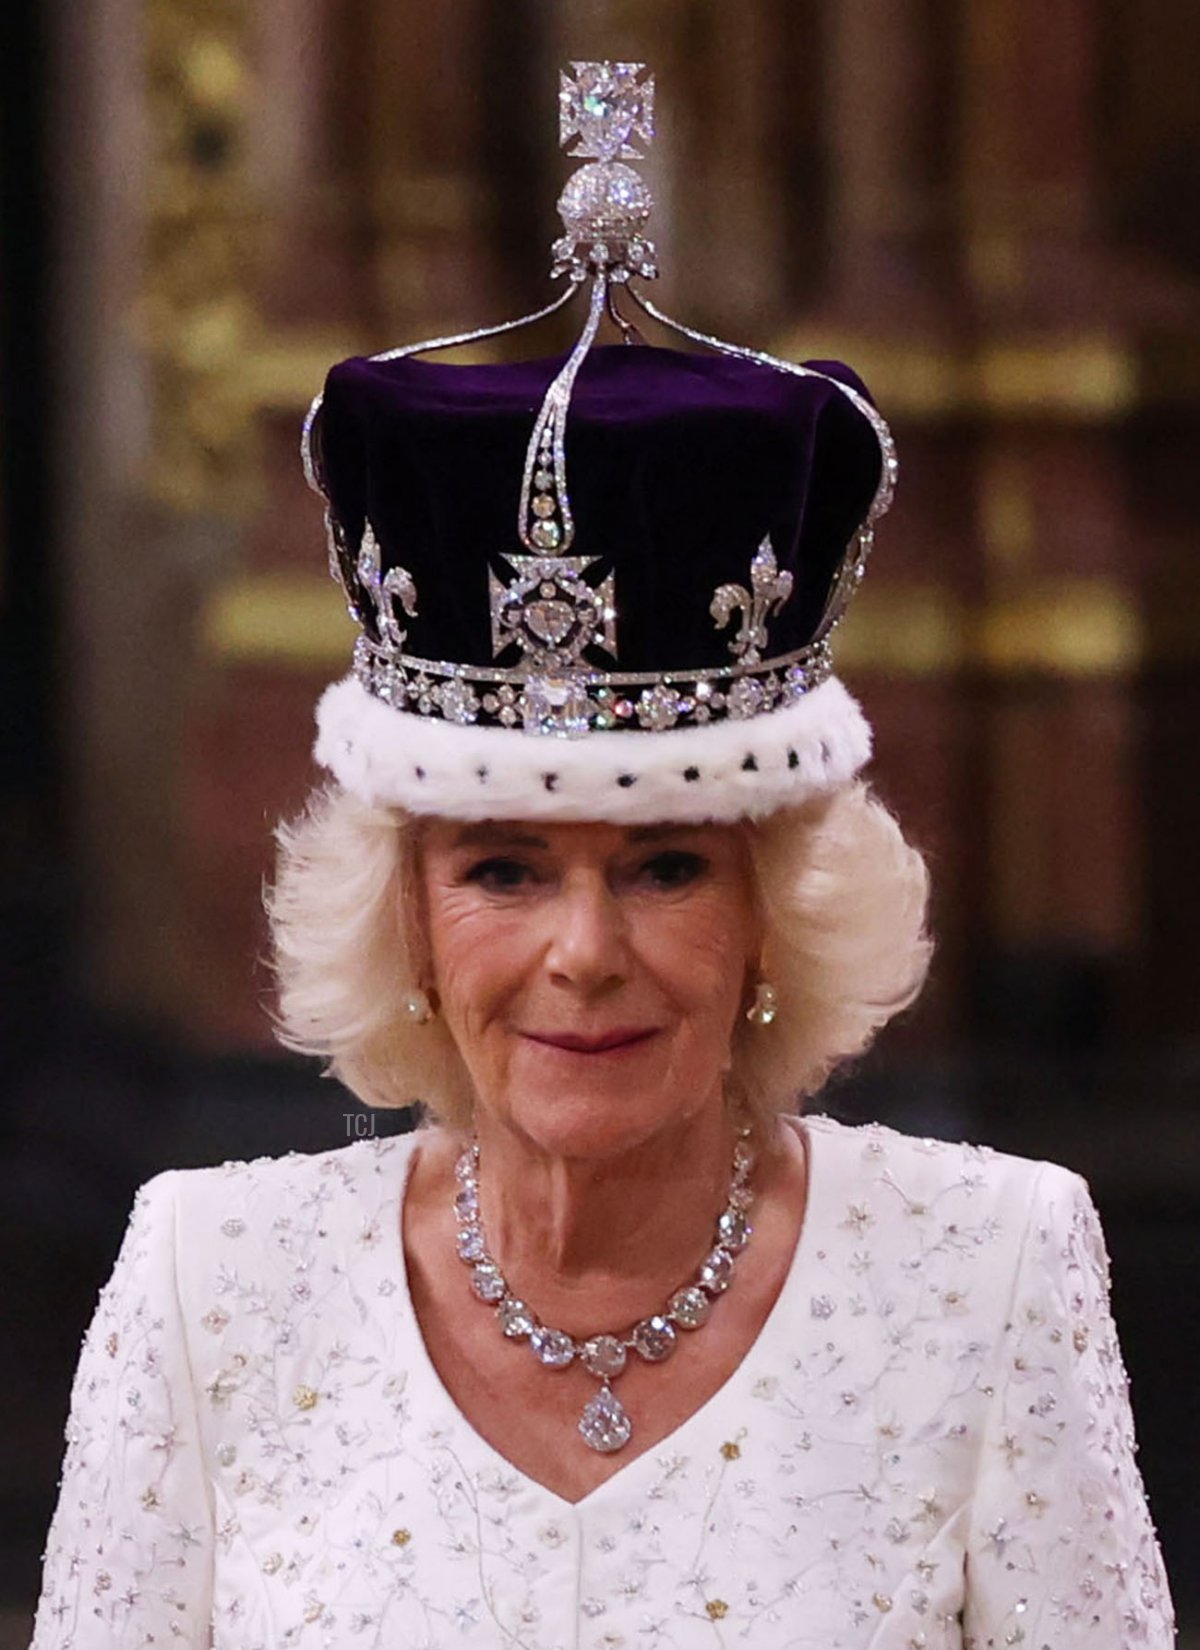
x: 673, y: 1441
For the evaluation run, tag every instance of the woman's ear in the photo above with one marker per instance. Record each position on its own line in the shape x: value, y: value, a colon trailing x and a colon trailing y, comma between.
x: 757, y: 925
x: 412, y: 916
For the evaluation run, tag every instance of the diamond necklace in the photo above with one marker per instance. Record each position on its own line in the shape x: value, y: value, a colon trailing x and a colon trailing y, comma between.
x: 604, y: 1424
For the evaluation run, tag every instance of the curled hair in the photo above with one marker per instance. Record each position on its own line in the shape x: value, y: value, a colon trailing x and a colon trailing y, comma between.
x: 842, y: 898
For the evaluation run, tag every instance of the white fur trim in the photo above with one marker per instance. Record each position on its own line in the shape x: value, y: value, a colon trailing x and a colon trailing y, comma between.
x: 740, y: 768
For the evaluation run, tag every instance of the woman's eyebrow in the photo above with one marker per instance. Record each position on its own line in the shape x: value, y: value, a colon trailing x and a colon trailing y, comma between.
x: 487, y: 835
x: 656, y: 833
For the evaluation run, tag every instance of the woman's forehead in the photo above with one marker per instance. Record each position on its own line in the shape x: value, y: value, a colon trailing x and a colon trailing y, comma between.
x: 568, y: 836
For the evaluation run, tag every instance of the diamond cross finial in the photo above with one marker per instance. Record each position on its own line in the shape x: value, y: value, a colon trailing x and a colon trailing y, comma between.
x: 606, y: 106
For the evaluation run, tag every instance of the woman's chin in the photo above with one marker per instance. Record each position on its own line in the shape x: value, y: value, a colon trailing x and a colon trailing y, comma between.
x: 595, y: 1107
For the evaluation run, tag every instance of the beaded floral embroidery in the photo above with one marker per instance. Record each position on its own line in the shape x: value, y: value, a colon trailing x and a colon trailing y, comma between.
x: 929, y: 1447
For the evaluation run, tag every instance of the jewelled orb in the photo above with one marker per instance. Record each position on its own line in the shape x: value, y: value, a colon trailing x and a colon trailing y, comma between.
x: 606, y: 106
x: 605, y: 201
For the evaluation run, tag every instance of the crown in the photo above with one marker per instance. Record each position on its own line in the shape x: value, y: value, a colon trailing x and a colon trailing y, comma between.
x: 689, y: 526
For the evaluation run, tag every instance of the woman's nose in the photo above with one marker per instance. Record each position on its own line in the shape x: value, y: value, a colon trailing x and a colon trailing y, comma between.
x: 588, y: 943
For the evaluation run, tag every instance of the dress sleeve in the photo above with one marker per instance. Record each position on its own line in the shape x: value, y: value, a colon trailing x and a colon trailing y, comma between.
x: 1061, y: 1549
x: 128, y: 1559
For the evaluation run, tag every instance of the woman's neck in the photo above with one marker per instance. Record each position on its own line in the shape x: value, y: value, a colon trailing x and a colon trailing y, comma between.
x: 593, y: 1242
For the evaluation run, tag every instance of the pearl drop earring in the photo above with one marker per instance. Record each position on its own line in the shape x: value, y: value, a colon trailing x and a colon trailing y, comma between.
x: 417, y: 1006
x: 765, y: 1007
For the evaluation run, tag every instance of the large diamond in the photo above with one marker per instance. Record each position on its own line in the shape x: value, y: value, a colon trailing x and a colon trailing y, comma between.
x: 545, y: 534
x: 550, y: 621
x: 689, y: 1307
x: 603, y: 1355
x: 605, y: 106
x: 733, y: 1229
x: 658, y: 707
x: 745, y: 697
x: 654, y: 1339
x: 515, y: 1319
x: 470, y: 1244
x: 717, y: 1272
x: 556, y: 704
x: 487, y: 1282
x: 604, y: 1424
x: 552, y: 1347
x: 459, y: 701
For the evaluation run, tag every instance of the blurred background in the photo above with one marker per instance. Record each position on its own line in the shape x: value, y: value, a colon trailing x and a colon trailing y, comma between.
x: 989, y: 208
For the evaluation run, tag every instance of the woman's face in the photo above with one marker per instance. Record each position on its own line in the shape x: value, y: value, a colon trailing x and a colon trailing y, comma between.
x: 590, y: 974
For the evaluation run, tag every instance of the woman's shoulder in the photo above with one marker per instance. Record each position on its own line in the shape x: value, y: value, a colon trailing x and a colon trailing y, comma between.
x: 917, y: 1176
x: 255, y: 1242
x: 263, y: 1192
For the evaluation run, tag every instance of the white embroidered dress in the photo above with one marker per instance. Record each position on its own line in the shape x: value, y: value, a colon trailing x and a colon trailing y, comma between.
x: 928, y: 1446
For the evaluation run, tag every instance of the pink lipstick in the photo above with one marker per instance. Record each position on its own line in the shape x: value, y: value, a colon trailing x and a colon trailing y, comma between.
x: 605, y: 1042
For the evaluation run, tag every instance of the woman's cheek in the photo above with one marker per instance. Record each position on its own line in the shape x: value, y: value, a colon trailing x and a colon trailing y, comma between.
x: 703, y: 950
x: 474, y: 942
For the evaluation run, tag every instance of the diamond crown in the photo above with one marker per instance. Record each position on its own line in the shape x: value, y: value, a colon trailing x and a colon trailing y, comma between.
x: 559, y: 609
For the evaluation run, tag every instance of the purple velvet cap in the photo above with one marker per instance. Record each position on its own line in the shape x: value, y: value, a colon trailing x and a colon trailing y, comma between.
x: 678, y: 645
x: 679, y: 465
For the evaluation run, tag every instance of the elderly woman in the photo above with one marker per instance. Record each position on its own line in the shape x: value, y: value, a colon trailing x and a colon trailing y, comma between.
x: 620, y: 1347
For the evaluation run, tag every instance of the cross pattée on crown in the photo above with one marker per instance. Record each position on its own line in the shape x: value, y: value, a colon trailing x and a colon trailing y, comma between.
x: 606, y: 106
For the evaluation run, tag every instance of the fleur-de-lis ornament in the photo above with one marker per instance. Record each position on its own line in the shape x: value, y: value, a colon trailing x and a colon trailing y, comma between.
x: 383, y: 590
x: 769, y: 589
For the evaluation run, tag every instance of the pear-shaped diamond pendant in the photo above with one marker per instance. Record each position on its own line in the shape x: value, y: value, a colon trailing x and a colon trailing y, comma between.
x: 604, y: 1424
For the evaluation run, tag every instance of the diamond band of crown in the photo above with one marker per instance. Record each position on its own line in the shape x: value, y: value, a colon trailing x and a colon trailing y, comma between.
x: 584, y: 701
x: 552, y: 616
x: 560, y: 613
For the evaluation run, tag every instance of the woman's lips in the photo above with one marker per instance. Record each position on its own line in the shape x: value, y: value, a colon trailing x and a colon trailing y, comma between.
x: 607, y: 1042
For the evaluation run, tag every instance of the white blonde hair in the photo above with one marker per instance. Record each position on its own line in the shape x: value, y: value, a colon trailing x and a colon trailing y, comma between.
x: 843, y: 901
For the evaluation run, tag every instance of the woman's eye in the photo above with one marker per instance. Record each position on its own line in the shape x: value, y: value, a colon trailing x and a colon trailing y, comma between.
x: 498, y: 874
x: 674, y: 868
